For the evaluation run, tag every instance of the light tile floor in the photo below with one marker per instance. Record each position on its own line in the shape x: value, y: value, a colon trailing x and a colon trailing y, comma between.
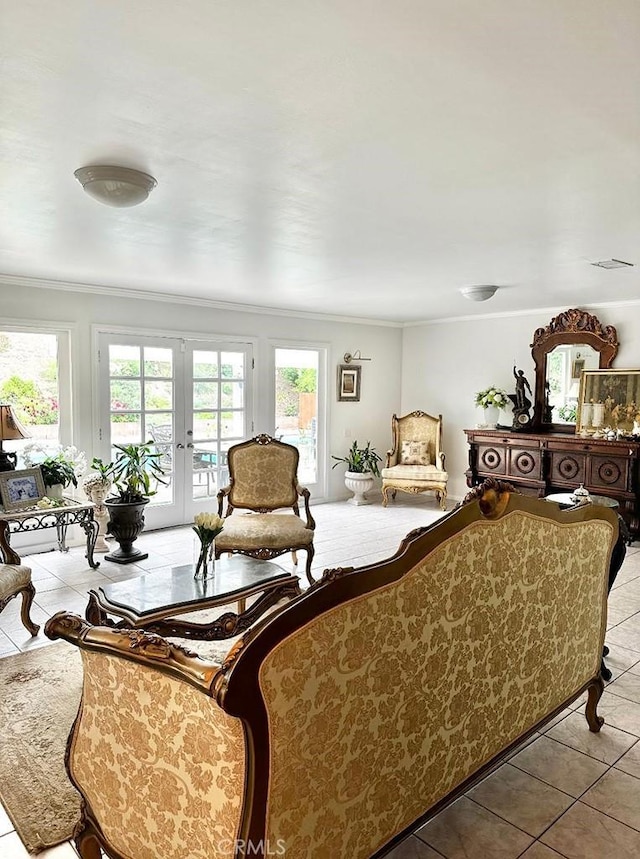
x: 567, y: 793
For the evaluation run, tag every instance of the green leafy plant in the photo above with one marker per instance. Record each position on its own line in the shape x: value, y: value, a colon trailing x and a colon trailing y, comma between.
x: 55, y: 469
x: 360, y: 459
x: 568, y: 412
x: 134, y: 472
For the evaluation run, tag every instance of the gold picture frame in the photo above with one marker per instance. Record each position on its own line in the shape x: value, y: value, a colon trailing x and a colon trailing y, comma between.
x: 609, y: 401
x: 21, y: 488
x: 349, y: 383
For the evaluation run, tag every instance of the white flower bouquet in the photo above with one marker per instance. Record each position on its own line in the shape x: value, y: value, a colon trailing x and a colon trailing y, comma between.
x: 207, y: 526
x: 492, y: 396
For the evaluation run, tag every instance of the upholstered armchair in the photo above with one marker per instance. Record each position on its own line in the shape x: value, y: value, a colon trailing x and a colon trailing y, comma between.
x: 263, y: 479
x: 15, y: 579
x: 415, y: 463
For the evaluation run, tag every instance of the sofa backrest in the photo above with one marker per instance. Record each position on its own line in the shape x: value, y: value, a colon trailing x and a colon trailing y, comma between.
x: 379, y: 691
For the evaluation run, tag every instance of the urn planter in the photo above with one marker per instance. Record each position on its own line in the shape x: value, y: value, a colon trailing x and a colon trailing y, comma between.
x: 358, y: 483
x: 126, y: 521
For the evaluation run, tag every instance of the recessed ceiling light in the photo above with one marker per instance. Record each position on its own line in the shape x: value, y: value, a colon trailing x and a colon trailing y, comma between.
x: 612, y: 263
x: 481, y: 292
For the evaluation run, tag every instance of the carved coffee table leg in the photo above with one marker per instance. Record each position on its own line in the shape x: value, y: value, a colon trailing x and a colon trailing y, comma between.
x: 94, y: 612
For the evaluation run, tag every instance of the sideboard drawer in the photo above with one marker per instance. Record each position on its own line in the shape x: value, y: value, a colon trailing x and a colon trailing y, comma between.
x: 492, y: 459
x: 609, y: 472
x: 525, y: 463
x: 568, y: 467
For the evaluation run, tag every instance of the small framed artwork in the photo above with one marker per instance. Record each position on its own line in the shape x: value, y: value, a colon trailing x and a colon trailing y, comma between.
x: 20, y: 489
x: 577, y: 367
x: 349, y: 383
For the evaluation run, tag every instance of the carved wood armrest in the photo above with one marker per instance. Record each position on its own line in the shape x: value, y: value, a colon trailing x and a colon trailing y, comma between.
x: 441, y: 458
x: 138, y: 646
x: 222, y: 494
x: 7, y: 554
x: 391, y: 458
x: 304, y: 493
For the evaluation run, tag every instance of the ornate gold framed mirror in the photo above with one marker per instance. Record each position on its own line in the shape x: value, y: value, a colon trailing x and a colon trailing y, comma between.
x: 573, y: 341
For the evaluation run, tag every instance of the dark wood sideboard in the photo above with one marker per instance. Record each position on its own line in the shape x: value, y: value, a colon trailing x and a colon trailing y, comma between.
x: 542, y: 463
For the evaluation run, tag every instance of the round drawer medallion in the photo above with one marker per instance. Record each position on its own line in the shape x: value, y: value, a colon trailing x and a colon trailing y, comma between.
x: 491, y: 458
x: 568, y: 467
x: 525, y: 463
x: 609, y: 472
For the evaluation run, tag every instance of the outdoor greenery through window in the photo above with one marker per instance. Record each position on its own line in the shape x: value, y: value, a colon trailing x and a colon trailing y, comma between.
x: 29, y: 382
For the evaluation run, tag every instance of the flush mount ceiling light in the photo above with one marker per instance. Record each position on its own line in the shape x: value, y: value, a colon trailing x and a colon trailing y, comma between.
x: 482, y: 292
x: 612, y: 263
x: 115, y: 186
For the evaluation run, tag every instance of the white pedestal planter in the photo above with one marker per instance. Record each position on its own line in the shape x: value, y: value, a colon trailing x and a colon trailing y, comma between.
x: 359, y: 484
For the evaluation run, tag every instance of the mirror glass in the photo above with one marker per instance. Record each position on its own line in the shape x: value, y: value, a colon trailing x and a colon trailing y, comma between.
x: 564, y: 365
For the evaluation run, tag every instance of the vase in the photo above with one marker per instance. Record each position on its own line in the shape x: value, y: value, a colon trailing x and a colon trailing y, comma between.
x: 206, y: 563
x: 491, y: 414
x: 54, y: 492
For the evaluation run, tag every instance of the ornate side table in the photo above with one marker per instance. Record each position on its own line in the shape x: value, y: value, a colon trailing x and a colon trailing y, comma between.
x: 60, y: 518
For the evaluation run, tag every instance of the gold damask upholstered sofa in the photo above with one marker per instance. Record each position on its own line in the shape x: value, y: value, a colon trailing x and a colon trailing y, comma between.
x: 415, y: 462
x: 263, y: 478
x: 357, y: 710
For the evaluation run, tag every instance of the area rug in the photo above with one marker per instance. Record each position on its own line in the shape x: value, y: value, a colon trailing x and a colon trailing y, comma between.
x: 39, y: 697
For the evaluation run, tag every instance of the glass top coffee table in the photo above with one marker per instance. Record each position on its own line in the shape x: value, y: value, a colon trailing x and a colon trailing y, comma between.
x: 154, y: 602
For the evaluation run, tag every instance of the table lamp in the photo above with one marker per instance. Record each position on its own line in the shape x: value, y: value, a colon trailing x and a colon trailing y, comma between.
x: 10, y: 428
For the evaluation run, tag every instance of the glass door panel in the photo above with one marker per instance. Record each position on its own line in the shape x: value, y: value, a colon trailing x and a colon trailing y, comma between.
x: 296, y: 401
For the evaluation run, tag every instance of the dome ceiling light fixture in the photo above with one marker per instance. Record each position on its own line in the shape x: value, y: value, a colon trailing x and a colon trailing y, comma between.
x: 482, y: 292
x: 115, y: 186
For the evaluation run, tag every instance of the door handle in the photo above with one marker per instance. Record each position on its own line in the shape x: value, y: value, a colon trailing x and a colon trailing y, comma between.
x: 190, y: 444
x: 180, y: 446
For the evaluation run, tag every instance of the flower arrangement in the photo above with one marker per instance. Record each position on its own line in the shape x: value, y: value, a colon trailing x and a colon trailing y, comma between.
x: 492, y: 396
x: 64, y: 466
x: 207, y: 526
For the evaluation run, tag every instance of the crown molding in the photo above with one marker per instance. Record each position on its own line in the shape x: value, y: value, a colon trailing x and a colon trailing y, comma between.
x: 151, y: 295
x: 530, y: 311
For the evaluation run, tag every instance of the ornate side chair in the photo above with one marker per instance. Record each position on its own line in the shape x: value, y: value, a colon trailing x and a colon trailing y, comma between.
x: 263, y: 478
x: 15, y: 579
x: 415, y: 463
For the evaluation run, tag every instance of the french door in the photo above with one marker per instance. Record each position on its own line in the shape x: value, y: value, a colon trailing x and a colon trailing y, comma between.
x: 190, y: 398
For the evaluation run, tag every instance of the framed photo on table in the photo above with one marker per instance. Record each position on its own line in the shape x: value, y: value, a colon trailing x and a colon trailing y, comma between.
x: 349, y: 383
x: 21, y: 488
x: 609, y: 400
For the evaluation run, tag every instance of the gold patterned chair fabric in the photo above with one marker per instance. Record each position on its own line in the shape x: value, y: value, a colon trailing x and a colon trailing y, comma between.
x: 415, y: 462
x: 263, y: 479
x: 357, y: 710
x: 15, y: 579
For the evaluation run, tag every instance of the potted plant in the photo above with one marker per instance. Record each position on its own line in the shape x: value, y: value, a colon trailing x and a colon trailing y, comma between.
x: 134, y: 474
x: 492, y: 399
x: 59, y: 470
x: 362, y: 467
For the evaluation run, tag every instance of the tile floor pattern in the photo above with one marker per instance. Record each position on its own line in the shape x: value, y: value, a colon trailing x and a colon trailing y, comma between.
x: 566, y: 793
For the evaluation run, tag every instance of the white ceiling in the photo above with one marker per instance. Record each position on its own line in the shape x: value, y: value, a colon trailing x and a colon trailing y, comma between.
x: 357, y: 157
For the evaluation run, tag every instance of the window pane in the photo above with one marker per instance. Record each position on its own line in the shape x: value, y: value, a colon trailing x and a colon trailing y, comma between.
x: 205, y: 365
x: 126, y: 429
x: 125, y: 395
x: 205, y: 426
x: 159, y: 426
x: 124, y: 360
x: 232, y: 365
x: 158, y: 362
x: 297, y: 405
x: 29, y: 382
x: 205, y: 395
x: 158, y: 395
x: 231, y: 424
x: 232, y: 394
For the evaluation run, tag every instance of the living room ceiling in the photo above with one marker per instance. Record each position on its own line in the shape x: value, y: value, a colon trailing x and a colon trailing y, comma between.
x: 346, y: 157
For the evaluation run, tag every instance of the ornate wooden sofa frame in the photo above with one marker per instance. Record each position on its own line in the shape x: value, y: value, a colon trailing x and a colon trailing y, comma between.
x: 359, y: 709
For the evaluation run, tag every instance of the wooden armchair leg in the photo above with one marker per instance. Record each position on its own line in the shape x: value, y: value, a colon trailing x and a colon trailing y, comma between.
x: 310, y: 553
x: 294, y: 557
x: 28, y: 594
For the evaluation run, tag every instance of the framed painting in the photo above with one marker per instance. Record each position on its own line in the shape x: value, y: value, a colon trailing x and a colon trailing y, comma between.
x: 349, y: 383
x: 609, y: 401
x: 577, y: 367
x: 21, y: 488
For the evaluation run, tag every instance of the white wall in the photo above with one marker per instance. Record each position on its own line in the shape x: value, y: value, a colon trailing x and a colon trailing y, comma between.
x: 446, y: 363
x: 370, y: 419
